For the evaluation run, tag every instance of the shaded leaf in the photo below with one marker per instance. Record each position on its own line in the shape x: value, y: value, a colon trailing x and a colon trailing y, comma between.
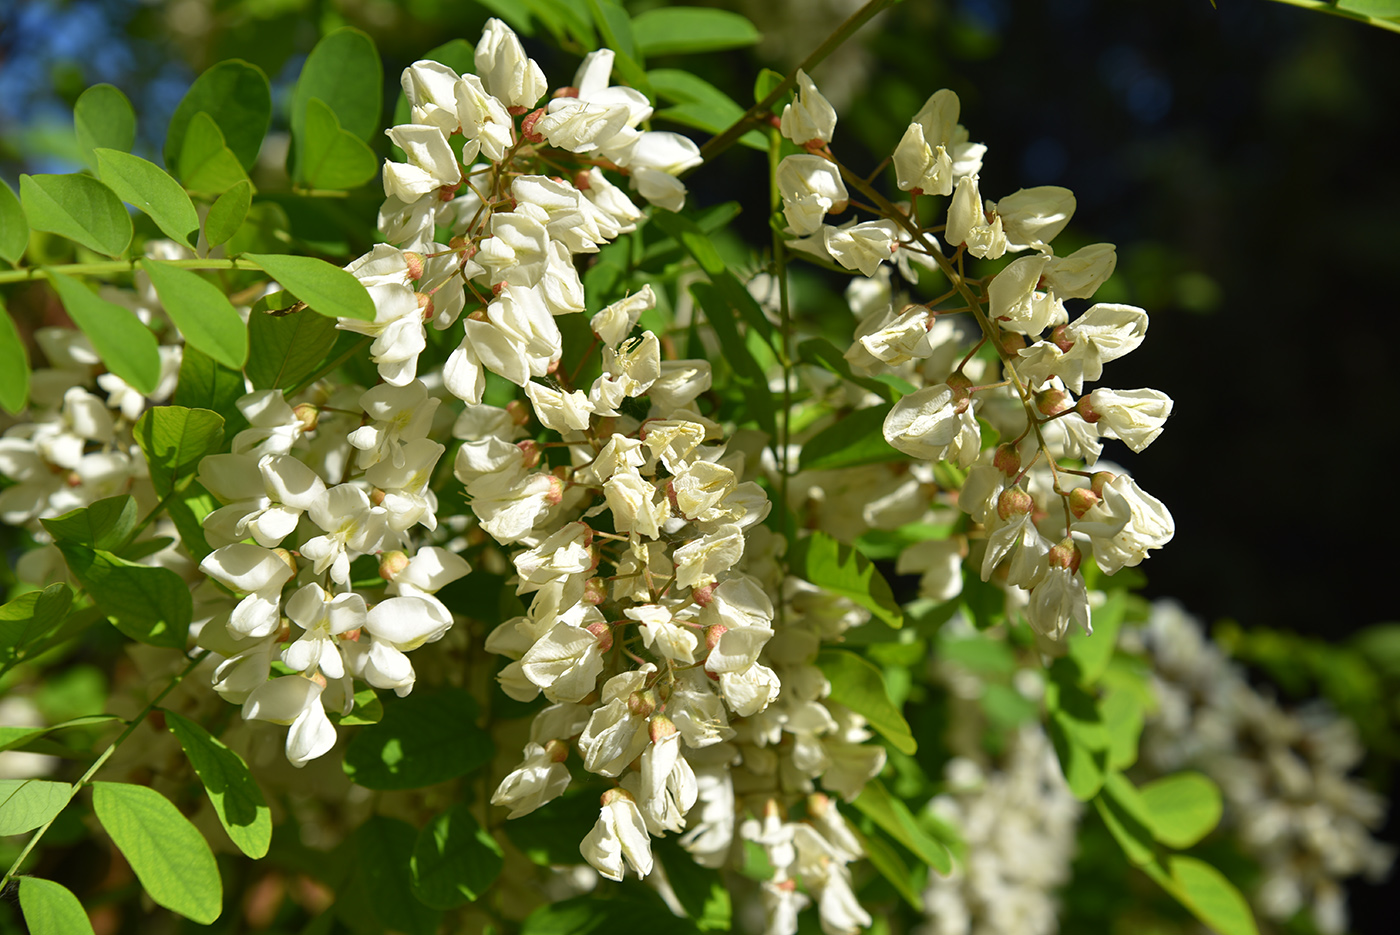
x: 615, y: 28
x: 1123, y: 811
x: 589, y: 915
x: 29, y: 618
x: 170, y: 857
x: 284, y: 349
x: 887, y: 862
x: 201, y: 311
x: 207, y: 384
x: 333, y: 158
x: 227, y: 213
x: 25, y: 804
x: 50, y: 909
x: 380, y: 887
x: 236, y: 798
x: 327, y: 289
x: 858, y: 685
x: 125, y: 345
x: 236, y: 96
x: 174, y: 439
x: 14, y: 229
x: 822, y: 560
x: 1092, y: 651
x: 105, y: 524
x: 13, y: 738
x: 78, y: 207
x: 1123, y: 719
x: 454, y: 860
x: 853, y: 439
x: 682, y: 30
x: 699, y: 104
x: 892, y: 815
x: 429, y: 737
x: 103, y: 118
x: 147, y: 603
x: 150, y: 189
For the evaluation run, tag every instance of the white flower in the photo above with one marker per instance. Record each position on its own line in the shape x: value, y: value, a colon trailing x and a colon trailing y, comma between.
x: 504, y: 68
x: 620, y: 834
x: 1146, y: 524
x: 321, y: 617
x: 670, y: 639
x: 265, y: 497
x: 406, y: 499
x: 919, y: 167
x: 699, y: 561
x: 923, y: 423
x: 1014, y: 302
x: 294, y: 701
x: 968, y: 222
x: 351, y: 529
x: 654, y: 160
x: 562, y: 412
x: 400, y: 413
x: 517, y: 251
x: 430, y: 88
x: 431, y: 164
x: 1032, y: 217
x: 1079, y: 275
x: 1135, y: 417
x: 811, y: 187
x: 634, y: 504
x: 616, y: 321
x: 861, y: 246
x: 273, y: 426
x: 565, y: 663
x: 539, y: 779
x: 810, y: 117
x: 257, y: 572
x: 485, y: 120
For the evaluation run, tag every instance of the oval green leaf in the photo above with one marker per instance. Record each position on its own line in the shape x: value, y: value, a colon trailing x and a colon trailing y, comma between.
x: 25, y: 804
x: 378, y: 895
x: 454, y: 860
x: 205, y: 163
x: 426, y: 738
x: 333, y: 158
x: 150, y: 189
x: 201, y: 311
x: 29, y: 618
x: 891, y: 814
x: 858, y: 685
x: 343, y: 71
x: 147, y: 603
x: 681, y: 30
x: 174, y: 439
x: 125, y: 345
x: 169, y: 855
x: 1182, y: 808
x: 822, y: 560
x: 14, y: 364
x: 50, y: 909
x: 78, y: 207
x: 102, y: 117
x: 105, y: 524
x: 236, y: 95
x: 327, y: 289
x: 1214, y: 899
x: 236, y: 798
x: 227, y: 214
x: 14, y: 229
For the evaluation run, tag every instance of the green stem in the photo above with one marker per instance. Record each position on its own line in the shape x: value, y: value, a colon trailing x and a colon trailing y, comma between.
x: 106, y: 267
x: 775, y: 143
x: 763, y: 109
x: 106, y: 755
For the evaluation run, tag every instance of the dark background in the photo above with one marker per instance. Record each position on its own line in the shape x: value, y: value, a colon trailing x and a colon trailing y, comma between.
x: 1243, y: 158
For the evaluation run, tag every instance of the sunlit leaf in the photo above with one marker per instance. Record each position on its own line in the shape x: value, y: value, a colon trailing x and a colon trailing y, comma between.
x: 236, y: 798
x: 103, y: 118
x: 78, y: 207
x: 201, y: 311
x: 125, y: 345
x: 150, y: 189
x: 859, y: 686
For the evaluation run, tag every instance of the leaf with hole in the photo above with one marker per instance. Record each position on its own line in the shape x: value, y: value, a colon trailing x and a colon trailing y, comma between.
x: 125, y: 345
x: 150, y: 189
x: 78, y: 207
x: 201, y: 311
x: 103, y: 118
x: 170, y: 857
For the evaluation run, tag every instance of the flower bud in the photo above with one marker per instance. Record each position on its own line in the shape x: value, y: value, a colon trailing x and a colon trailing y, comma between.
x: 425, y: 305
x: 391, y: 563
x: 1060, y: 338
x: 530, y: 449
x: 415, y: 264
x: 595, y: 591
x: 1065, y: 555
x: 1052, y: 401
x: 583, y: 180
x: 603, y: 634
x: 818, y: 805
x: 660, y: 727
x: 1081, y: 501
x: 527, y: 126
x: 612, y: 795
x: 73, y: 479
x: 1014, y: 502
x: 1100, y: 480
x: 960, y: 385
x: 1007, y: 460
x: 376, y: 496
x: 557, y: 751
x: 308, y: 415
x: 713, y: 633
x: 1086, y: 410
x: 703, y: 596
x: 287, y: 559
x: 568, y: 91
x: 1012, y: 341
x: 642, y: 703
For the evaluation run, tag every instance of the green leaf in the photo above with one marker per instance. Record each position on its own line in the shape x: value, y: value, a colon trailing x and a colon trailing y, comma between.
x: 1210, y: 896
x: 454, y: 860
x: 227, y: 214
x: 14, y: 229
x: 333, y: 158
x: 683, y: 30
x: 25, y: 804
x: 343, y: 71
x: 1182, y: 808
x: 368, y: 709
x: 1094, y: 650
x: 859, y: 686
x: 236, y: 798
x: 78, y: 207
x: 174, y: 439
x: 615, y: 26
x: 285, y: 349
x: 102, y: 117
x: 1122, y: 809
x: 187, y: 511
x: 147, y: 603
x: 822, y: 560
x: 207, y: 384
x: 170, y: 857
x: 105, y: 524
x: 237, y: 97
x: 589, y: 915
x: 205, y: 163
x: 1123, y: 719
x: 699, y: 246
x: 765, y: 84
x: 700, y: 890
x: 327, y: 289
x: 887, y: 862
x: 824, y: 354
x: 13, y: 738
x: 14, y: 362
x: 748, y: 373
x: 699, y: 104
x: 125, y: 345
x: 1084, y: 769
x: 50, y: 909
x: 201, y: 311
x: 29, y: 618
x: 853, y: 439
x: 150, y: 189
x: 1374, y: 10
x: 429, y: 737
x: 891, y: 814
x: 380, y: 887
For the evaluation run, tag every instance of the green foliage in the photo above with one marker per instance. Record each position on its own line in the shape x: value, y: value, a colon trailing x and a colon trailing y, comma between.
x: 170, y: 857
x: 333, y: 158
x: 235, y: 96
x: 859, y: 686
x: 454, y: 860
x: 379, y: 892
x: 204, y: 161
x: 14, y: 229
x: 15, y: 738
x: 147, y: 603
x: 684, y: 30
x: 200, y: 310
x: 227, y: 213
x: 106, y: 524
x: 587, y: 915
x: 236, y: 798
x: 103, y: 118
x: 894, y: 817
x: 842, y: 570
x: 25, y: 804
x: 344, y: 77
x: 429, y: 737
x: 28, y: 619
x: 125, y: 345
x: 326, y: 289
x: 50, y: 909
x: 1182, y: 808
x: 699, y: 890
x: 286, y: 349
x: 78, y: 207
x: 697, y: 103
x: 174, y: 439
x: 854, y: 439
x: 148, y: 188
